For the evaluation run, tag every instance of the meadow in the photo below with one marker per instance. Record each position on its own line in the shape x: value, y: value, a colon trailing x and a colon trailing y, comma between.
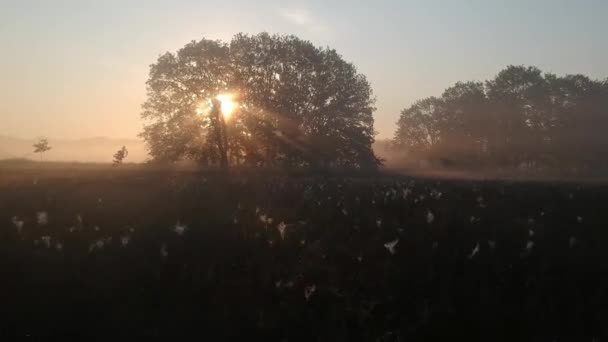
x: 91, y: 250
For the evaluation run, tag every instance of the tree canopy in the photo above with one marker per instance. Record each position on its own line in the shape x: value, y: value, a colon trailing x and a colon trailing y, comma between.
x: 522, y: 117
x: 297, y: 104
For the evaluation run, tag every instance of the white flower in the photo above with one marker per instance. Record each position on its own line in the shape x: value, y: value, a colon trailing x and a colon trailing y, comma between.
x: 281, y: 228
x: 492, y: 244
x: 302, y: 242
x: 430, y: 217
x: 79, y: 219
x: 530, y: 233
x: 529, y: 246
x: 264, y: 218
x: 579, y: 219
x: 542, y: 213
x: 379, y: 222
x: 406, y: 192
x: 179, y: 228
x: 46, y: 240
x: 99, y: 243
x: 235, y: 220
x: 59, y: 246
x: 257, y: 210
x: 269, y: 220
x: 359, y: 258
x: 475, y: 251
x: 391, y: 246
x: 96, y: 228
x: 309, y: 291
x: 480, y: 202
x: 474, y: 219
x: 17, y: 223
x: 164, y: 253
x: 42, y: 218
x: 345, y: 212
x: 124, y: 240
x: 572, y: 241
x: 131, y: 230
x: 531, y: 221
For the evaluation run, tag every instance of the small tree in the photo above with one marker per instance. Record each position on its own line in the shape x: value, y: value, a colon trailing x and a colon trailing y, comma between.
x: 42, y: 146
x: 120, y: 155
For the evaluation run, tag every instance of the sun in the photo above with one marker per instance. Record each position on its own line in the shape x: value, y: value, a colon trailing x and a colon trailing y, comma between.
x: 228, y: 105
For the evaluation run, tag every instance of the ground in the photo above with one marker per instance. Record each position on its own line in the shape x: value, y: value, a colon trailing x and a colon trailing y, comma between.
x: 92, y: 250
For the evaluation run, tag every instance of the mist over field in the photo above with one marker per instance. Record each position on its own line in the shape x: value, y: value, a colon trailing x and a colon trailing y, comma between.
x: 304, y: 170
x: 90, y: 150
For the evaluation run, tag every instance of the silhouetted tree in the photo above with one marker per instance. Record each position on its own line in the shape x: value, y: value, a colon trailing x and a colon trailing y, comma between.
x: 42, y: 146
x: 120, y: 155
x: 521, y: 118
x: 298, y: 105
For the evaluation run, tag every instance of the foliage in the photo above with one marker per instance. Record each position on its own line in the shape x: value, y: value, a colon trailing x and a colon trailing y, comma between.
x: 521, y: 118
x: 120, y: 155
x: 299, y: 105
x: 42, y: 146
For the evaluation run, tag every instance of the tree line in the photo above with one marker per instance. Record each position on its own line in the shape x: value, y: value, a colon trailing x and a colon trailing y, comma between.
x: 298, y: 105
x: 522, y: 118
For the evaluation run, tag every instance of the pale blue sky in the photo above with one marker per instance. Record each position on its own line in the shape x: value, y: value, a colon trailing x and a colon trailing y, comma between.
x: 74, y: 69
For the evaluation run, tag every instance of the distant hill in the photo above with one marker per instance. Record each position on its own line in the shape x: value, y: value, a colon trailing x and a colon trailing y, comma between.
x: 95, y: 149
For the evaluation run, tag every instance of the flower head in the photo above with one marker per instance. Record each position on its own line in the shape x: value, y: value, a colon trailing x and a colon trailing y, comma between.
x: 17, y: 223
x: 179, y: 228
x: 475, y: 251
x: 281, y: 228
x: 430, y: 217
x: 309, y: 291
x: 46, y: 240
x: 391, y: 246
x: 42, y: 218
x: 124, y: 240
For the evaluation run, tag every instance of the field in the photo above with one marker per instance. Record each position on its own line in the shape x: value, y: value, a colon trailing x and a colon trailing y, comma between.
x: 91, y: 250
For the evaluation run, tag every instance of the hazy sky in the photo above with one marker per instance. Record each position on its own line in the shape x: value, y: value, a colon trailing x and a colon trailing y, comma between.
x: 75, y: 69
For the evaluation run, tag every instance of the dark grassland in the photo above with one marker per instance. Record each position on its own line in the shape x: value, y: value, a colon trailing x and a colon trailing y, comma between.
x: 475, y: 260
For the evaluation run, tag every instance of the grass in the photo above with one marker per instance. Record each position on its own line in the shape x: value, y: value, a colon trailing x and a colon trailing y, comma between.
x: 231, y: 275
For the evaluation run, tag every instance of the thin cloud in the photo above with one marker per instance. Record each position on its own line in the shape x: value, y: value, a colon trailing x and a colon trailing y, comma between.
x: 304, y: 19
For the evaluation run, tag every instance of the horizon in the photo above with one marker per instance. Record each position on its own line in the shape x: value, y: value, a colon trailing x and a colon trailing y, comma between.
x: 87, y: 63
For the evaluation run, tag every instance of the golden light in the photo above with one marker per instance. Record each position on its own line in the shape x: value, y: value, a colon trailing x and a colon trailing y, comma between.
x: 228, y: 105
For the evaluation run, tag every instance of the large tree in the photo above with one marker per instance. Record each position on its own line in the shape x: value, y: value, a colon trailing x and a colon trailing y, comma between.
x: 298, y: 105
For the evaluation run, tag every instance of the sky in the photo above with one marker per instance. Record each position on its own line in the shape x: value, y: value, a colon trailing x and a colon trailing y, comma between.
x: 77, y: 69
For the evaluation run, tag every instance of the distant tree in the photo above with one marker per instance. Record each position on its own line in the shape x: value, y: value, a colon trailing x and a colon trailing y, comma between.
x: 298, y: 105
x: 120, y: 155
x: 520, y: 118
x: 42, y: 146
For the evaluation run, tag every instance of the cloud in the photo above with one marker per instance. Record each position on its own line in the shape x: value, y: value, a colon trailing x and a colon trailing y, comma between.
x: 304, y: 19
x: 298, y: 17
